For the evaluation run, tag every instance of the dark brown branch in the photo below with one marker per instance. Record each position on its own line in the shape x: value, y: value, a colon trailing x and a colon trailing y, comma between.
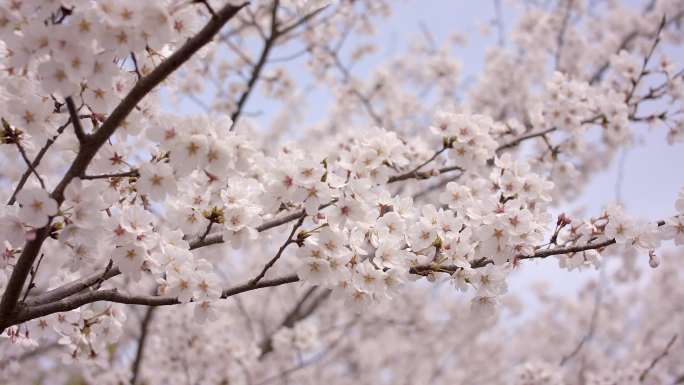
x: 112, y: 295
x: 34, y: 272
x: 135, y: 66
x: 206, y: 231
x: 125, y: 174
x: 413, y: 174
x: 269, y: 42
x: 76, y: 122
x: 144, y: 328
x: 523, y: 138
x: 36, y: 162
x: 75, y: 301
x: 73, y: 287
x: 93, y: 142
x: 425, y: 269
x: 209, y: 8
x: 290, y: 240
x: 93, y: 279
x: 29, y: 164
x: 212, y: 240
x: 266, y: 344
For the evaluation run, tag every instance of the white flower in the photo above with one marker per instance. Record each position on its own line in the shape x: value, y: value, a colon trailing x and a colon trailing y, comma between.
x: 12, y: 228
x: 314, y: 271
x: 483, y: 306
x: 317, y: 193
x: 368, y: 278
x: 358, y: 300
x: 237, y: 217
x: 181, y: 281
x: 462, y: 278
x: 347, y: 209
x: 129, y: 259
x: 308, y: 172
x: 219, y: 159
x: 490, y: 281
x: 390, y: 227
x: 36, y: 206
x: 205, y: 311
x: 455, y: 196
x: 189, y: 153
x: 679, y: 203
x: 156, y: 180
x: 389, y: 255
x: 331, y: 241
x: 627, y: 64
x: 674, y: 229
x: 621, y: 228
x: 421, y: 235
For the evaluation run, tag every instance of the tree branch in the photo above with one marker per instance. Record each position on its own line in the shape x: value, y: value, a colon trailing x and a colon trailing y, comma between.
x: 26, y: 313
x: 31, y: 169
x: 258, y: 67
x: 655, y: 361
x: 592, y: 328
x: 282, y: 248
x: 139, y: 354
x: 36, y: 162
x: 295, y: 315
x: 92, y: 144
x: 73, y: 113
x: 125, y: 174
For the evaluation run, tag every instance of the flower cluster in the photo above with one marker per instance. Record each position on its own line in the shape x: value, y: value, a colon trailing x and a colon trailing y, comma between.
x: 410, y: 200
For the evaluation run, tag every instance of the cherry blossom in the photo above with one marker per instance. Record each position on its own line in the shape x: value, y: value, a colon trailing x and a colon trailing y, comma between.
x: 172, y: 200
x: 36, y: 207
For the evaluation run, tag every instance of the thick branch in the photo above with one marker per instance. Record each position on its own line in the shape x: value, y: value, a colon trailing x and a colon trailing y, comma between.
x: 113, y: 295
x: 125, y: 174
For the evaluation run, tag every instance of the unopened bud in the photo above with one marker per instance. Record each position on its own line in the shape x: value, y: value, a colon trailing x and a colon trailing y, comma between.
x: 653, y: 259
x: 563, y: 220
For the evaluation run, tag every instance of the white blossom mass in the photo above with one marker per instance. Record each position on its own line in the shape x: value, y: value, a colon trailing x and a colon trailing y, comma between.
x: 159, y: 226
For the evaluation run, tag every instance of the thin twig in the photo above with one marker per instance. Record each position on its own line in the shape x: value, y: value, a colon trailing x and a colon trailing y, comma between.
x: 29, y: 164
x: 414, y: 172
x: 282, y: 248
x: 34, y: 272
x: 592, y: 327
x: 135, y: 66
x: 73, y: 113
x: 660, y: 356
x: 269, y: 42
x: 36, y: 162
x: 560, y: 40
x: 266, y: 345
